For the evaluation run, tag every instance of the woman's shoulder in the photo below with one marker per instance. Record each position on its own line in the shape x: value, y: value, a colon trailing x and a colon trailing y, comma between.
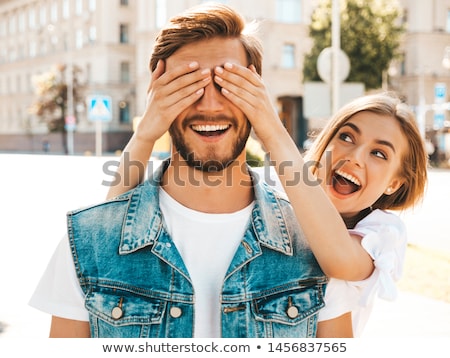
x: 381, y: 219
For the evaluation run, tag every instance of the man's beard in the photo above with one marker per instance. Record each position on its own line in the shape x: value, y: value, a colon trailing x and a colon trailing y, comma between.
x: 213, y: 161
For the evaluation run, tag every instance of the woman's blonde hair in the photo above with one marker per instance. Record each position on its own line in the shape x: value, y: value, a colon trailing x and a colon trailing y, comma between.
x: 415, y: 162
x: 205, y: 22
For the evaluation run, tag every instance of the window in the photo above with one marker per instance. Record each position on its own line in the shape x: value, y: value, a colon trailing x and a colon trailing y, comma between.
x: 12, y: 25
x: 447, y: 27
x: 88, y: 73
x: 31, y: 19
x: 92, y: 5
x: 124, y: 34
x: 225, y: 2
x: 32, y: 50
x: 92, y: 34
x: 21, y: 22
x: 160, y: 13
x: 54, y: 12
x: 288, y: 56
x: 124, y: 72
x: 42, y: 48
x: 288, y: 11
x: 18, y: 84
x: 65, y: 41
x: 124, y: 112
x: 79, y: 39
x: 79, y: 7
x: 2, y: 27
x: 42, y: 15
x: 66, y: 9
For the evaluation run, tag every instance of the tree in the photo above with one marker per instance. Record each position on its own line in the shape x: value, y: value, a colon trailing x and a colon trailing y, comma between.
x: 370, y: 36
x: 51, y: 98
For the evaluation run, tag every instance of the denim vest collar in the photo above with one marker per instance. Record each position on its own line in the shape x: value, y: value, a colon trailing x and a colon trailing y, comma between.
x: 144, y: 222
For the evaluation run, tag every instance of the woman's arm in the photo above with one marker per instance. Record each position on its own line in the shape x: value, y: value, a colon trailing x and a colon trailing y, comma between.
x: 132, y: 166
x: 339, y: 254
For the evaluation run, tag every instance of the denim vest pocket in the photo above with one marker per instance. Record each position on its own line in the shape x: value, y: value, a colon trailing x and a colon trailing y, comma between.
x: 290, y: 313
x: 289, y: 307
x: 116, y: 313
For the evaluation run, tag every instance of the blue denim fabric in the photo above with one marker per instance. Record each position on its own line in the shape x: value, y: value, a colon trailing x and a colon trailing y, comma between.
x: 137, y: 285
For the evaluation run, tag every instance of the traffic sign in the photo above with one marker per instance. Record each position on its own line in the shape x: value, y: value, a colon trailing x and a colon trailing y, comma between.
x: 70, y: 123
x: 99, y: 108
x: 440, y: 92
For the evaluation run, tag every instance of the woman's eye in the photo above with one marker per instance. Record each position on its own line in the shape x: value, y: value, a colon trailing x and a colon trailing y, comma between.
x: 345, y: 137
x: 380, y: 154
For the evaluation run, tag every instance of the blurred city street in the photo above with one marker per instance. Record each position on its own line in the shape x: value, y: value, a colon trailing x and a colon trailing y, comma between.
x: 37, y: 191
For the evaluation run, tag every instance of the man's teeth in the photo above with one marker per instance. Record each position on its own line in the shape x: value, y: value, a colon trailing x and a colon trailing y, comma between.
x: 348, y: 177
x: 210, y: 127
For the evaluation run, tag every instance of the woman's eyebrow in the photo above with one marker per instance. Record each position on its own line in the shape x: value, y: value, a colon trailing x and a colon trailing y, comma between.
x: 379, y: 141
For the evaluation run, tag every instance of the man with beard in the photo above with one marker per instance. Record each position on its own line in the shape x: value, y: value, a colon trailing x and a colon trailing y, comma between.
x: 201, y: 248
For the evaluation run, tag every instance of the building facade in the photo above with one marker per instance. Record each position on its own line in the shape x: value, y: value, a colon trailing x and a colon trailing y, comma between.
x: 110, y: 42
x: 423, y: 74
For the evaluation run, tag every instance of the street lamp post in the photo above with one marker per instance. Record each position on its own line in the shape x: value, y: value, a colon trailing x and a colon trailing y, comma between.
x: 421, y: 108
x: 70, y: 117
x: 446, y: 58
x: 336, y: 47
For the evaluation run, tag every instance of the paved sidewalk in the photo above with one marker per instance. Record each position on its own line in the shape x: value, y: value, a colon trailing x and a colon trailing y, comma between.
x: 411, y: 315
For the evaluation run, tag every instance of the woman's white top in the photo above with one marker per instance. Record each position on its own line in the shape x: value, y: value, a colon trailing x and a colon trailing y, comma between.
x: 384, y: 238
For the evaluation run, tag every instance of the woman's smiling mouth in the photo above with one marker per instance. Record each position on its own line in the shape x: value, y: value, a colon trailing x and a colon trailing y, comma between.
x: 344, y: 183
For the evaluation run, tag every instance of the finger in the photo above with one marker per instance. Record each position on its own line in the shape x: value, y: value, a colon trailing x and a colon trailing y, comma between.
x: 240, y: 87
x: 179, y: 71
x: 159, y: 70
x: 171, y: 83
x: 243, y: 72
x: 186, y: 95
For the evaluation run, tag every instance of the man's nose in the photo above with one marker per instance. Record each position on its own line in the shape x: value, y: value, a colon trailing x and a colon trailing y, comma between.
x: 212, y: 99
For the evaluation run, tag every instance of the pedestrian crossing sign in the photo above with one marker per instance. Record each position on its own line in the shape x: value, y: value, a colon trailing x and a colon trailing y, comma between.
x: 99, y: 108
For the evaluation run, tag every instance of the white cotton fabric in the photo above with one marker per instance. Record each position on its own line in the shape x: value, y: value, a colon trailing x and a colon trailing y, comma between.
x: 58, y: 292
x: 384, y: 238
x: 207, y: 244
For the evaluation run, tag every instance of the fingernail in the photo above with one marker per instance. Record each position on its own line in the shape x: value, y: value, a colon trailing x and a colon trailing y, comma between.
x: 219, y: 69
x: 193, y: 64
x: 228, y: 65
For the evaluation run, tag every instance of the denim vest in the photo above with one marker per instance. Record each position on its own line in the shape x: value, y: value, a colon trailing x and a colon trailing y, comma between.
x: 137, y: 285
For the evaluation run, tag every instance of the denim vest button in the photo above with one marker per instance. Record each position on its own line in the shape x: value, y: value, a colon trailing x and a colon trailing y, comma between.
x: 175, y: 312
x: 292, y: 312
x: 116, y: 313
